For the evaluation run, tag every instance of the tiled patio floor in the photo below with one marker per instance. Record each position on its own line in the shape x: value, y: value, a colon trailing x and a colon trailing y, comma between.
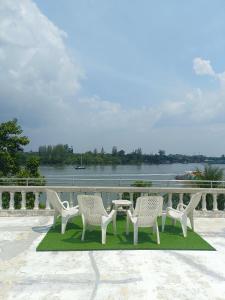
x: 27, y: 274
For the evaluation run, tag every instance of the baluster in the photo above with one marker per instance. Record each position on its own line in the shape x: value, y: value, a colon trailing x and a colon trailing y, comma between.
x: 120, y: 195
x: 36, y: 201
x: 47, y: 204
x: 170, y: 203
x: 108, y: 202
x: 181, y: 195
x: 11, y: 201
x: 215, y: 202
x: 75, y: 198
x: 204, y: 208
x: 23, y: 202
x: 71, y: 197
x: 132, y: 198
x: 0, y: 200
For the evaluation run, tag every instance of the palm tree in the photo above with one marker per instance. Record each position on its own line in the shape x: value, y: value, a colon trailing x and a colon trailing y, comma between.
x: 213, y: 175
x: 210, y: 174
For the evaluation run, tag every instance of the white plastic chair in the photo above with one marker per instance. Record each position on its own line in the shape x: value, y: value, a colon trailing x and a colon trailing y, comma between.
x: 182, y: 213
x: 93, y: 213
x: 61, y: 209
x: 145, y: 214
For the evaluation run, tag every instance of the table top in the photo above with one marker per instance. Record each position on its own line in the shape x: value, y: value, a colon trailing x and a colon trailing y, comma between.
x: 122, y: 202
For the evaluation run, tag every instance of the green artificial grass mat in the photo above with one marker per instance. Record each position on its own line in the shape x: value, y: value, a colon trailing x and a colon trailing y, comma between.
x: 171, y: 239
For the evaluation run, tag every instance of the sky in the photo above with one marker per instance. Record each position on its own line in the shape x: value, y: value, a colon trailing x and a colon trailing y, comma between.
x: 130, y: 74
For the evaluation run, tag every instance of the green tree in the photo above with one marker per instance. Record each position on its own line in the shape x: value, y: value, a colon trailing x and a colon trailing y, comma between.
x: 102, y: 151
x: 11, y: 143
x: 138, y: 183
x: 11, y: 146
x: 114, y: 150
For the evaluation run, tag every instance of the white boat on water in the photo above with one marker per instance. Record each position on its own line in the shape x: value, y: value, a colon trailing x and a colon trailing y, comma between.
x: 80, y: 167
x: 188, y: 175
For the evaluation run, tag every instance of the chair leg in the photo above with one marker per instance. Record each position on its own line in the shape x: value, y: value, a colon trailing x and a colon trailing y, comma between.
x: 55, y: 218
x: 135, y: 235
x: 127, y: 225
x: 84, y: 228
x: 103, y: 235
x: 157, y: 233
x: 184, y: 226
x: 114, y: 223
x: 64, y: 222
x: 191, y: 217
x: 163, y: 221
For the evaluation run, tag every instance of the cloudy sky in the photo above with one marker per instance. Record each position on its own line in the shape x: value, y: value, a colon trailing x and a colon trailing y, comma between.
x: 88, y: 73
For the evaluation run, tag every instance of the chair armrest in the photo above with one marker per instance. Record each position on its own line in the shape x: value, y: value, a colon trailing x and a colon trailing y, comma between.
x: 181, y: 206
x: 129, y: 213
x: 111, y: 214
x: 67, y: 204
x: 131, y: 217
x: 107, y: 219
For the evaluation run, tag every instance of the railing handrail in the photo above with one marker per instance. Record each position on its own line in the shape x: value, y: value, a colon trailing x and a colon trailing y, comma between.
x: 101, y: 179
x: 109, y: 189
x: 39, y: 191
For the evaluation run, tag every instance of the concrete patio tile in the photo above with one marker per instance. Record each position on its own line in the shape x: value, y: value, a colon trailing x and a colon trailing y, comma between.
x: 141, y: 274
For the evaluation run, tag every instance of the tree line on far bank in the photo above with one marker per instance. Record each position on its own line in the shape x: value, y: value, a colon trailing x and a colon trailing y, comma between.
x: 63, y: 154
x: 15, y: 163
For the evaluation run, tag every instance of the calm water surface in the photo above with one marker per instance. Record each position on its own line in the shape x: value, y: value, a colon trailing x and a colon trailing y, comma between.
x: 114, y: 175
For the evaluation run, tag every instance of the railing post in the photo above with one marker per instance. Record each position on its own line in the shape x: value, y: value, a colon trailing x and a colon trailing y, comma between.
x: 0, y: 200
x: 23, y: 202
x: 181, y: 198
x: 215, y: 202
x: 11, y: 201
x: 36, y: 201
x: 170, y: 203
x: 47, y: 205
x: 204, y: 208
x: 132, y: 198
x: 71, y: 199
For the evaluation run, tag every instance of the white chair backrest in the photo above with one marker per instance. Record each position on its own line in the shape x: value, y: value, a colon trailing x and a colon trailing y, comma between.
x: 194, y: 201
x: 147, y: 209
x: 55, y: 201
x: 92, y: 208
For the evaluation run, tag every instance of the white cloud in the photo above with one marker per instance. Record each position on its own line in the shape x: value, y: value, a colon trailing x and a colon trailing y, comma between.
x: 40, y: 83
x: 202, y: 66
x: 37, y: 74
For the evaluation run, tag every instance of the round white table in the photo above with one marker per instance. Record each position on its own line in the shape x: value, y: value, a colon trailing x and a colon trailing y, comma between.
x: 121, y: 203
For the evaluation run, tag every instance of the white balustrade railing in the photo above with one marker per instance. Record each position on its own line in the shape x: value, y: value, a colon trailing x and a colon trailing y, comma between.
x: 108, y: 194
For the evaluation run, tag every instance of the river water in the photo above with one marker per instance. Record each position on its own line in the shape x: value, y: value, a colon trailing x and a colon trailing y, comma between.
x: 115, y: 175
x: 120, y: 175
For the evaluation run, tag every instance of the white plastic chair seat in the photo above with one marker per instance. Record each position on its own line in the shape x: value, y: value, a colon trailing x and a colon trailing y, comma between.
x: 145, y: 215
x: 182, y: 213
x: 173, y: 213
x: 71, y: 211
x: 94, y: 214
x: 61, y: 209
